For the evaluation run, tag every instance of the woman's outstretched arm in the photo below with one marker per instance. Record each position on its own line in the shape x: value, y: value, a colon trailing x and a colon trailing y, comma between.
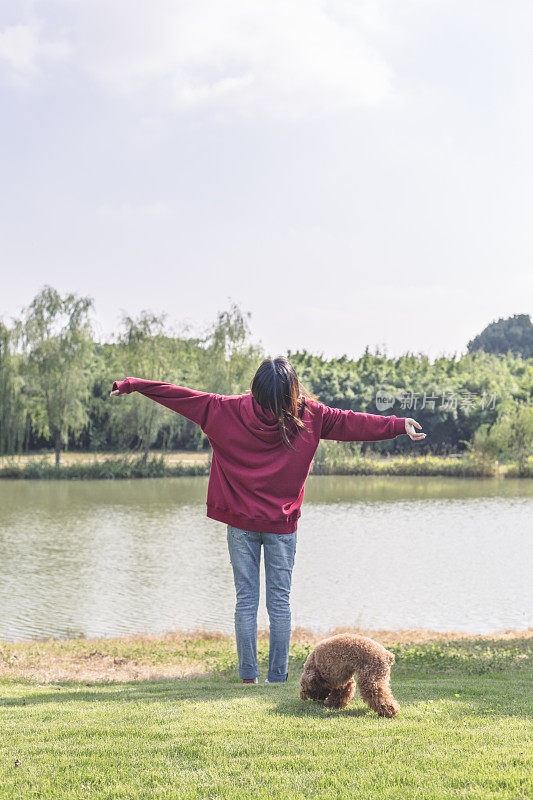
x: 355, y: 426
x: 188, y: 402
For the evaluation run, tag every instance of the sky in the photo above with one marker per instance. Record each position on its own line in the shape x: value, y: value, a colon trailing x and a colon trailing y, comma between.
x: 350, y: 173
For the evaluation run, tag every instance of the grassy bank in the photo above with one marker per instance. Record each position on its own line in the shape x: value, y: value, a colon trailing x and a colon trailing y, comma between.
x: 460, y: 466
x: 98, y: 467
x: 92, y: 465
x: 463, y: 731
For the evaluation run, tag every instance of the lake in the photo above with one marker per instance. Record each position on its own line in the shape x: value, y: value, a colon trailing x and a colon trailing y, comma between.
x: 129, y: 556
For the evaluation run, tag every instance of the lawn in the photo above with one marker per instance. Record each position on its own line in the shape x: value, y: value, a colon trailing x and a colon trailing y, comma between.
x: 464, y: 729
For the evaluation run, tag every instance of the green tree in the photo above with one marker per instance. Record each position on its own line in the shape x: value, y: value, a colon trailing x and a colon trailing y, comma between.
x: 511, y: 436
x: 451, y: 397
x: 57, y: 342
x: 146, y: 351
x: 221, y: 361
x: 13, y: 411
x: 229, y: 357
x: 514, y: 334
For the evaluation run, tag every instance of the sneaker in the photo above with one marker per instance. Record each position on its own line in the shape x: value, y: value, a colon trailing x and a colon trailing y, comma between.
x: 248, y: 681
x: 273, y: 683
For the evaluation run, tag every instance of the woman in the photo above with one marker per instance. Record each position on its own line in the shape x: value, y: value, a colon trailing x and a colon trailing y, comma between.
x: 263, y: 445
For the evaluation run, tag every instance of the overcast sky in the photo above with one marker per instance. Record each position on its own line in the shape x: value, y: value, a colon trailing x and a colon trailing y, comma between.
x: 349, y: 172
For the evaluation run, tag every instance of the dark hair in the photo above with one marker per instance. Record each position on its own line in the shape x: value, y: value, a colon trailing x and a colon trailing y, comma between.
x: 276, y: 388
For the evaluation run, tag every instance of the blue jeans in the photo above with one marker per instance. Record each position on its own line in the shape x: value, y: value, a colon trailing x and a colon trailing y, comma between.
x: 245, y: 555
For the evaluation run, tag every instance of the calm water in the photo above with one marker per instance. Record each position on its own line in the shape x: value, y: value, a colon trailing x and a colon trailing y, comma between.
x: 108, y: 557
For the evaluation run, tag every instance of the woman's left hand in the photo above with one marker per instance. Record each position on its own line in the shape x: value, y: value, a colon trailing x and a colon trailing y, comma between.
x: 410, y: 428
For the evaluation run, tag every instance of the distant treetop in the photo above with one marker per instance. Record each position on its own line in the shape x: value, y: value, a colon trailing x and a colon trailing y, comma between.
x: 514, y: 334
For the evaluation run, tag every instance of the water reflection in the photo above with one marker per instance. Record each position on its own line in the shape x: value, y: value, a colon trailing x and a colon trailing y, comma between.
x: 106, y: 557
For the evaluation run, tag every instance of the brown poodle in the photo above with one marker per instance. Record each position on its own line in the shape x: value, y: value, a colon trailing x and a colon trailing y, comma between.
x: 329, y: 669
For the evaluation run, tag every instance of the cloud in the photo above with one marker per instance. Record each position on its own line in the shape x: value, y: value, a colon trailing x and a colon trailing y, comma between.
x: 288, y: 58
x: 23, y: 51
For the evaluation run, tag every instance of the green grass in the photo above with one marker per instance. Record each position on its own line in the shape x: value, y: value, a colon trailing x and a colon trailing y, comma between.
x: 462, y: 733
x: 77, y: 466
x: 459, y: 466
x: 126, y: 466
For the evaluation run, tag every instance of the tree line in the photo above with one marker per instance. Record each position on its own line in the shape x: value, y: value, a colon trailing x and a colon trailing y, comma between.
x: 55, y: 379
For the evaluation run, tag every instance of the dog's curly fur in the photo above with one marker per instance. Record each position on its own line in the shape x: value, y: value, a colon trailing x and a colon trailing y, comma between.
x: 330, y: 667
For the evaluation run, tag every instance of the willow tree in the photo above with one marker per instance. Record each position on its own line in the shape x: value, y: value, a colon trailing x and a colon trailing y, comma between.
x: 57, y: 342
x: 147, y: 351
x: 229, y: 357
x: 222, y: 360
x: 13, y: 411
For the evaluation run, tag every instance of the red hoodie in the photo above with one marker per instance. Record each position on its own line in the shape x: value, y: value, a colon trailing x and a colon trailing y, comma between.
x: 257, y: 482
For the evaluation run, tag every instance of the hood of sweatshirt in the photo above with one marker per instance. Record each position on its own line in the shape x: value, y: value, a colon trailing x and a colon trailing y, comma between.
x: 263, y: 423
